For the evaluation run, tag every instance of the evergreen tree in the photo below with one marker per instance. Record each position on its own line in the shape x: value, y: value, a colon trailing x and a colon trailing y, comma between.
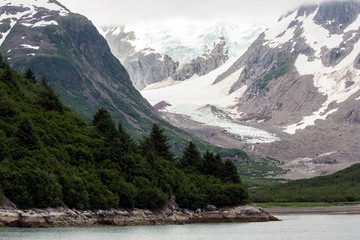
x: 191, y: 157
x: 49, y: 99
x: 125, y: 139
x: 103, y: 122
x: 29, y: 74
x: 26, y: 134
x: 44, y: 82
x: 160, y: 143
x: 230, y: 172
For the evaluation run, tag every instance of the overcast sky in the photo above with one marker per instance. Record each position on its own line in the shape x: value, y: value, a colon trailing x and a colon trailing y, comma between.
x: 104, y: 12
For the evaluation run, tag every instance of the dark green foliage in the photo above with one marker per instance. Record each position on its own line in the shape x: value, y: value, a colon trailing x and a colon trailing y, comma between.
x: 103, y: 122
x: 212, y: 181
x: 158, y: 141
x: 50, y: 157
x: 191, y: 157
x: 343, y: 186
x: 230, y: 172
x: 29, y: 74
x: 26, y: 136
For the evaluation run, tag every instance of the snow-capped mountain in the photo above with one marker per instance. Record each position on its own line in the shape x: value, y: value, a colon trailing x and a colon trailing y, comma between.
x: 178, y: 49
x: 69, y: 51
x: 299, y: 81
x: 23, y: 12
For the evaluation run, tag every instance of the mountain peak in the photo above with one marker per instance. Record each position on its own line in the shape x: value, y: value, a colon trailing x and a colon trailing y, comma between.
x: 33, y: 5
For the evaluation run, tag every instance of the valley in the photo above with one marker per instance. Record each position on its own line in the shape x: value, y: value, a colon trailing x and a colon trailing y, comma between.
x: 291, y: 94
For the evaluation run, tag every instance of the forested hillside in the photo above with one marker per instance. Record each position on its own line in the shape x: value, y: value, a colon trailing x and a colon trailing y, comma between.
x: 51, y: 157
x: 342, y: 186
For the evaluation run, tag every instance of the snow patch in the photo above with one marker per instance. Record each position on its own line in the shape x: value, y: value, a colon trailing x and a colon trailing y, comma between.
x: 280, y: 34
x: 33, y: 4
x: 354, y: 26
x: 326, y: 154
x: 318, y: 37
x: 330, y: 81
x: 27, y: 24
x: 29, y: 46
x: 45, y: 23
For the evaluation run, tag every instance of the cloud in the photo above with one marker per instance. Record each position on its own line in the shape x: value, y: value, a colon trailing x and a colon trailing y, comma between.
x: 136, y: 11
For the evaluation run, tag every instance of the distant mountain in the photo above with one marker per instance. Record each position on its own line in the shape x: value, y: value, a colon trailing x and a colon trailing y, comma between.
x: 68, y: 50
x: 177, y: 50
x: 76, y: 60
x: 299, y: 81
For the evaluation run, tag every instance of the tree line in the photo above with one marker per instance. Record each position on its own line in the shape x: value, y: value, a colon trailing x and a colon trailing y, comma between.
x: 51, y: 157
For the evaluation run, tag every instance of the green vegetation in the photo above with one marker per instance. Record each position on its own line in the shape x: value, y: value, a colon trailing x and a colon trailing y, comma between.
x: 275, y: 73
x: 259, y: 167
x: 343, y: 186
x: 306, y: 204
x: 50, y: 157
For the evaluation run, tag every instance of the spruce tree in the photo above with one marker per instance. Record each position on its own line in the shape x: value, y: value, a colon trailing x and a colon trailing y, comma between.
x: 104, y: 123
x: 230, y: 172
x: 26, y: 134
x: 44, y: 82
x: 29, y: 74
x: 191, y: 157
x: 160, y: 143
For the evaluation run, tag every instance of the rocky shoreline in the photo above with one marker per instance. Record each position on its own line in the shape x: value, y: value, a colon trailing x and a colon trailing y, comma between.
x: 171, y: 214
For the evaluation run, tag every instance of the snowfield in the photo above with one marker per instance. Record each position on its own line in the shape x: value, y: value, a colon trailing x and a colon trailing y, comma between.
x: 212, y: 105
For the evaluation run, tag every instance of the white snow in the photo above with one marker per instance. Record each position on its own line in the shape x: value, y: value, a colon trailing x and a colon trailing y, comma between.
x: 25, y: 17
x: 32, y: 4
x: 13, y: 21
x: 280, y: 34
x: 326, y: 154
x: 45, y: 23
x: 184, y: 40
x: 354, y: 26
x: 29, y: 46
x: 196, y: 97
x: 330, y: 81
x: 318, y: 37
x: 27, y: 24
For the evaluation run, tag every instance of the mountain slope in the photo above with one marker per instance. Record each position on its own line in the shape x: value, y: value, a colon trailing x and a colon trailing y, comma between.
x: 177, y: 49
x: 76, y: 60
x: 49, y: 157
x: 299, y: 82
x: 68, y: 50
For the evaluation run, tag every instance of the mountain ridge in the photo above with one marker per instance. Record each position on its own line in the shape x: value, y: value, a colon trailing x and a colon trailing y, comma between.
x: 298, y: 81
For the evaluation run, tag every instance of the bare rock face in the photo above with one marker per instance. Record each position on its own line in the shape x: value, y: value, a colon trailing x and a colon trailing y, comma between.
x: 146, y: 69
x: 7, y: 204
x: 204, y: 64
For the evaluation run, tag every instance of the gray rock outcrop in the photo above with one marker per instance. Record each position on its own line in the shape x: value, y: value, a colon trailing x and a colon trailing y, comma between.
x: 171, y: 214
x: 205, y: 63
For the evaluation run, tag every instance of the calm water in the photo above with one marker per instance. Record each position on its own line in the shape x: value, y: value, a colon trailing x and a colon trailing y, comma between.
x: 319, y: 227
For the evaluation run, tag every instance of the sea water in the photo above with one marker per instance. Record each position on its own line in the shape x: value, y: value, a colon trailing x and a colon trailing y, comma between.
x: 319, y: 227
